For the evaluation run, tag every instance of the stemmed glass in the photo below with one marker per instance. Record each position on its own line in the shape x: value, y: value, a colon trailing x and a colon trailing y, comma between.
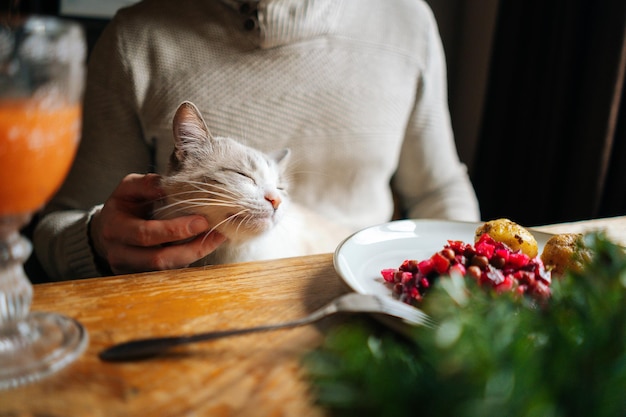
x: 41, y: 84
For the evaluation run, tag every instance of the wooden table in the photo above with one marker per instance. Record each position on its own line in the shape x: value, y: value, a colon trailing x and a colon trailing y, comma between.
x: 253, y: 375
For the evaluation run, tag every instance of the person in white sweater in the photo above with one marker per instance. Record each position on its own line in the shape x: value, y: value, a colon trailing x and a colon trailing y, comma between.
x: 355, y: 88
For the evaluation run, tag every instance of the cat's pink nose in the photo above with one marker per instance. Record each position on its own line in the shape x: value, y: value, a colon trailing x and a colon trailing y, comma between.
x: 274, y: 200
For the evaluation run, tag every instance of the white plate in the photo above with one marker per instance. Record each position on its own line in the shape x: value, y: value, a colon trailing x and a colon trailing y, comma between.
x: 360, y: 258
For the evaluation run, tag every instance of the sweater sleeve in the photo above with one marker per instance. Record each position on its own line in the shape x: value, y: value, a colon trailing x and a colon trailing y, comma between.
x: 70, y: 244
x: 112, y: 146
x: 430, y: 181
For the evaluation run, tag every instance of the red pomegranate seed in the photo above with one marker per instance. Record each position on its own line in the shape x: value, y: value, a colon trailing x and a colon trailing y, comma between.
x: 426, y: 266
x: 441, y: 263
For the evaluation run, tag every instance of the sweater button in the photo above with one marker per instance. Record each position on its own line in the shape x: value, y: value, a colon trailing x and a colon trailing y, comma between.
x: 250, y: 23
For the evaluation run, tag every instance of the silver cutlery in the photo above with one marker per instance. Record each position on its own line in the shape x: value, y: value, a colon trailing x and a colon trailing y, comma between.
x: 348, y: 303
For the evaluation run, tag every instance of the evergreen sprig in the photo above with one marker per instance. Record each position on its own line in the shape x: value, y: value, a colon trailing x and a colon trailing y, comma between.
x: 492, y: 354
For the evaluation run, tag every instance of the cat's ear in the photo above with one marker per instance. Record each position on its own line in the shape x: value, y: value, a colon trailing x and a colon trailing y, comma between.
x: 189, y: 130
x: 281, y: 157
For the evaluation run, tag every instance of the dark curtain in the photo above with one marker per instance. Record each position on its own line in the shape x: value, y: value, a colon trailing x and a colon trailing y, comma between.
x: 552, y: 146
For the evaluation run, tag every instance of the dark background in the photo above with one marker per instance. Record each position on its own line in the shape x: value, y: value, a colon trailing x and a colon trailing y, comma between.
x: 536, y: 98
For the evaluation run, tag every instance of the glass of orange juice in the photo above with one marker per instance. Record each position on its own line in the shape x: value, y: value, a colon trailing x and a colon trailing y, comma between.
x: 42, y: 65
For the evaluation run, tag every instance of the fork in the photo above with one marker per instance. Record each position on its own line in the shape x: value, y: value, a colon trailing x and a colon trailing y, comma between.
x: 348, y: 303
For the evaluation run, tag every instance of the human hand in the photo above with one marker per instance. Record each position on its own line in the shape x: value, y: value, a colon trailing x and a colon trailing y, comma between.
x: 123, y: 235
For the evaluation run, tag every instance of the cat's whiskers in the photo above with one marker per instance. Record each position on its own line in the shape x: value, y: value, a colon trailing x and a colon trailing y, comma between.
x: 203, y: 187
x: 182, y: 205
x: 186, y: 193
x: 228, y: 219
x: 247, y: 220
x: 194, y: 196
x: 240, y: 223
x: 216, y: 196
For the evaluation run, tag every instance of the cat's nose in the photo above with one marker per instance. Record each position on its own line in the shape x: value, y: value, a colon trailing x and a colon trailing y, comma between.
x: 274, y: 200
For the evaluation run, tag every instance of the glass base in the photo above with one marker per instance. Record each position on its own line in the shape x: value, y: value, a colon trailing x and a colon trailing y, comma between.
x: 38, y: 346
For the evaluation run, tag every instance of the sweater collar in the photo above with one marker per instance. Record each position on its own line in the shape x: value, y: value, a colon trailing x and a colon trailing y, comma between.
x: 238, y: 4
x: 280, y: 22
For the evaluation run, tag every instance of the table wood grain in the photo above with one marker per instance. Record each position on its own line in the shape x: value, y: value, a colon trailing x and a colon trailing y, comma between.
x: 251, y: 375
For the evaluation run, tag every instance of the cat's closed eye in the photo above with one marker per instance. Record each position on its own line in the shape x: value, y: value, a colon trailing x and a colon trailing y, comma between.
x: 243, y: 174
x: 240, y: 173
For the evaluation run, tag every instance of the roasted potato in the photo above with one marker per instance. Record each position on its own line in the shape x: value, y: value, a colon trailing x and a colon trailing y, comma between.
x: 511, y: 234
x: 565, y: 252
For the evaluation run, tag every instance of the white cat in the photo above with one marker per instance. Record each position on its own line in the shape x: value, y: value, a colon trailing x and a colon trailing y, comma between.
x: 242, y: 192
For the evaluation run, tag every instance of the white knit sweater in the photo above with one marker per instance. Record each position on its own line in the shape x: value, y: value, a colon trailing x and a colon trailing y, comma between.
x: 356, y: 89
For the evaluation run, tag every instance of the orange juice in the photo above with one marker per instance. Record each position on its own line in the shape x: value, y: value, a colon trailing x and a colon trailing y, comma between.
x: 37, y: 146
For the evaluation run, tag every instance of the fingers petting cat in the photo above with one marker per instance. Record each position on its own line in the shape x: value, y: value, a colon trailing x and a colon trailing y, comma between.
x: 124, y: 236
